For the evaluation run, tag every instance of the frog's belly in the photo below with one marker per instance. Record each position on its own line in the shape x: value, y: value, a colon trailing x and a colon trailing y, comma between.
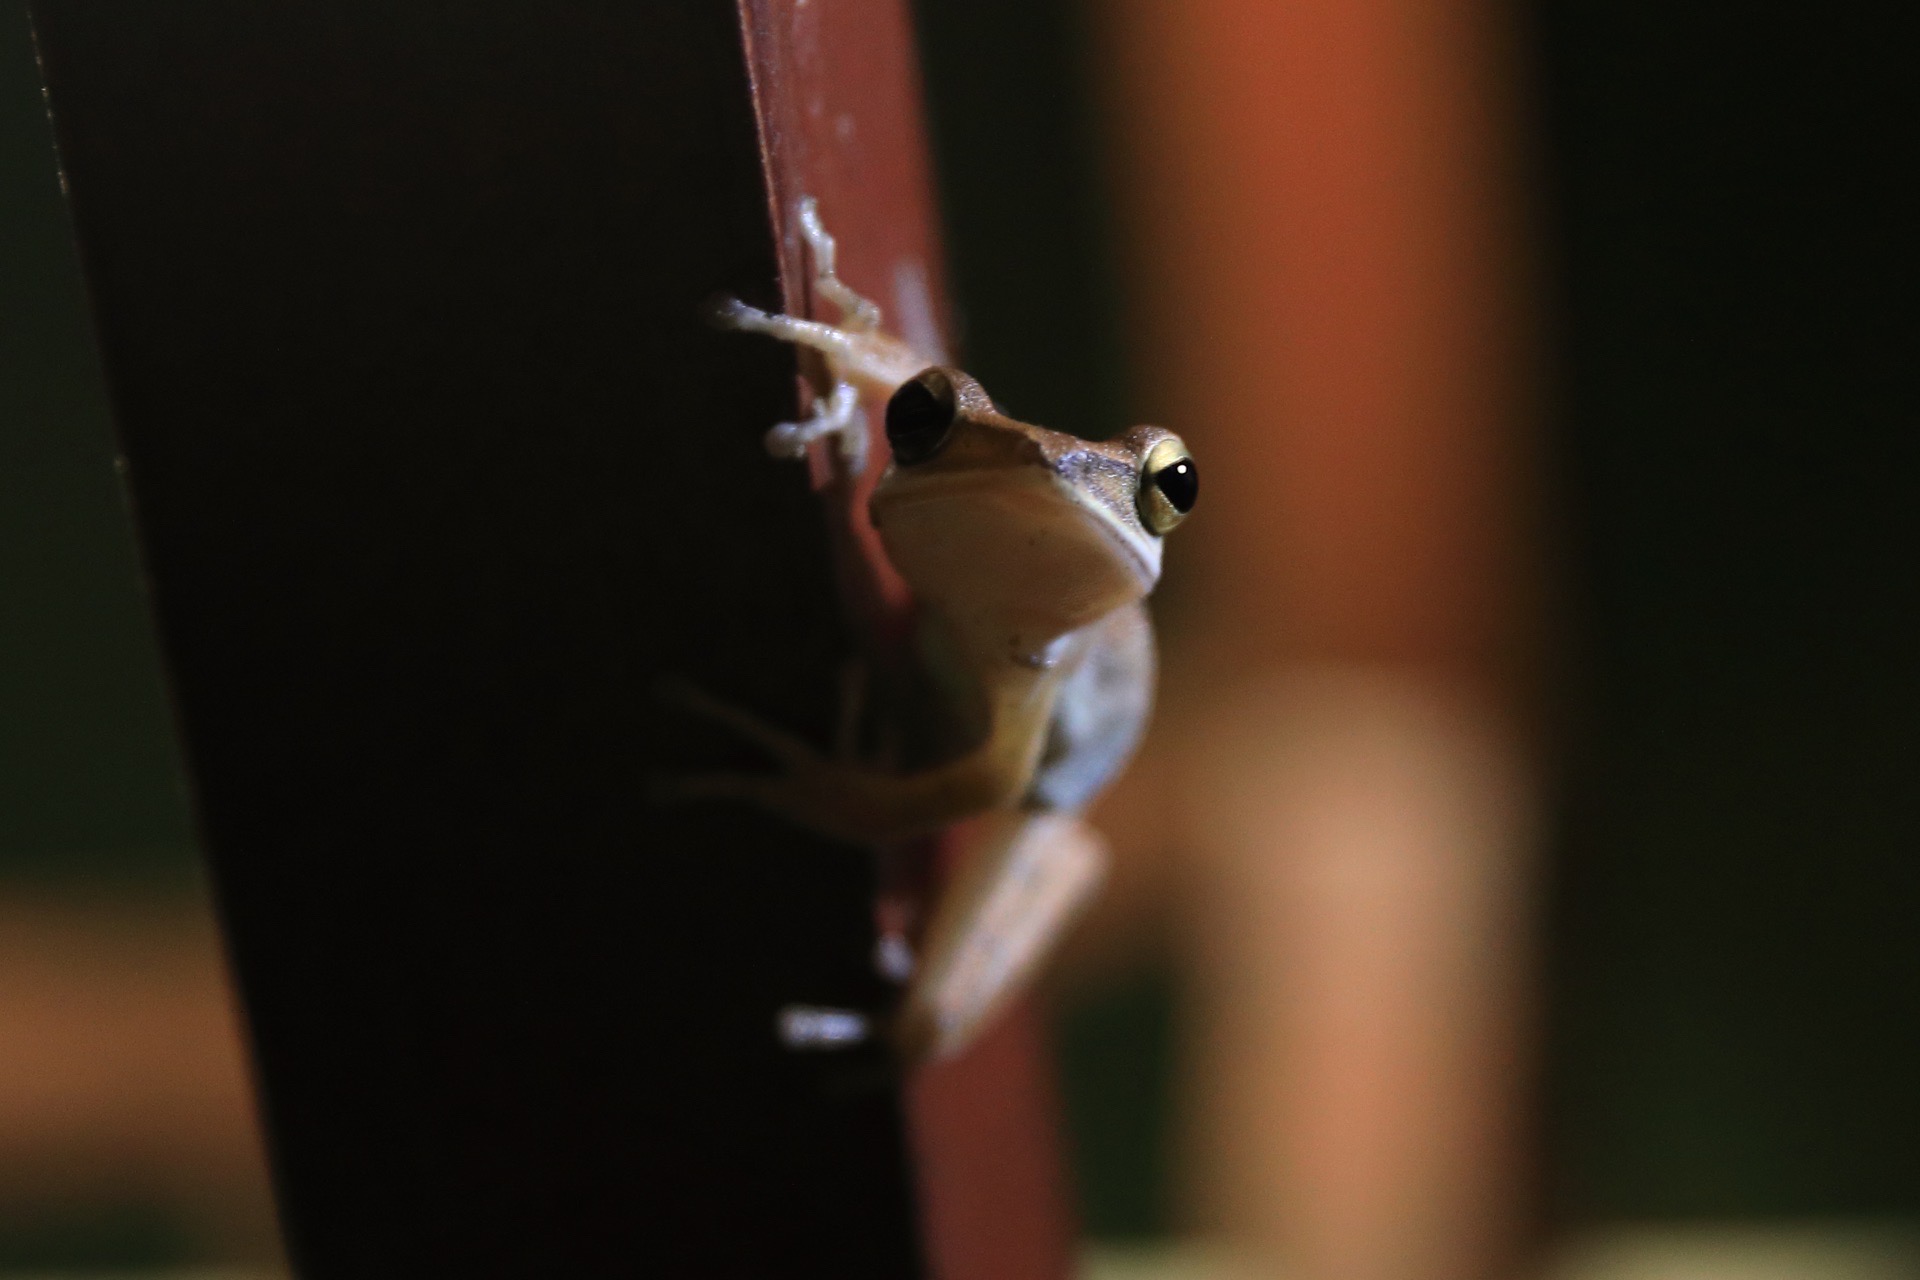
x: 1099, y: 714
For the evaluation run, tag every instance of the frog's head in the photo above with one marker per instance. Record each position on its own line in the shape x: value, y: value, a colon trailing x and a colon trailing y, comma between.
x: 1016, y: 527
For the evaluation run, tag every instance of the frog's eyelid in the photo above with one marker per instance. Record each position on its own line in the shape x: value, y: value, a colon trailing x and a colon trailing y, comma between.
x: 1160, y: 506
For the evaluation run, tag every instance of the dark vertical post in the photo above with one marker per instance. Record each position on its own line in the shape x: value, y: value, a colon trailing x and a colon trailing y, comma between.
x: 435, y: 469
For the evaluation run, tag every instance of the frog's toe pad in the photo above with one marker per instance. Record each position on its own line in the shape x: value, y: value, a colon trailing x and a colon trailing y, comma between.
x: 724, y: 311
x: 811, y: 1027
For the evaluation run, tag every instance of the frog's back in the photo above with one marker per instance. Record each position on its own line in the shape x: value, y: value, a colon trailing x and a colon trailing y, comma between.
x: 1100, y: 713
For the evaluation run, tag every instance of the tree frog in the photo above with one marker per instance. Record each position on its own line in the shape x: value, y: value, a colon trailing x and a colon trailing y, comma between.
x: 1029, y: 553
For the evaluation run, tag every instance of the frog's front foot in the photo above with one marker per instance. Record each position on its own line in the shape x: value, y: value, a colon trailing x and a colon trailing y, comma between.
x: 860, y: 357
x: 808, y: 787
x: 837, y: 414
x: 843, y: 799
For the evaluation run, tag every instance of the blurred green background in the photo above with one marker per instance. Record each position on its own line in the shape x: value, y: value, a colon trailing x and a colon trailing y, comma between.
x: 88, y: 789
x: 90, y: 797
x: 1736, y: 854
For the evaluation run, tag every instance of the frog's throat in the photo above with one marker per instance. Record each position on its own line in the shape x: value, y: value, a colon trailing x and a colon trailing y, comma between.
x: 1021, y: 553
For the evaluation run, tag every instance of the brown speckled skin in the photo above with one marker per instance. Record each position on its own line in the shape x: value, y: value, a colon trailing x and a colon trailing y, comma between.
x: 1072, y: 643
x: 1028, y: 552
x: 1105, y: 472
x: 1028, y: 559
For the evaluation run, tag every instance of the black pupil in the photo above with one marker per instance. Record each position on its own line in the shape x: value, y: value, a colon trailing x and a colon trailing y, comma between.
x: 917, y: 422
x: 1180, y: 483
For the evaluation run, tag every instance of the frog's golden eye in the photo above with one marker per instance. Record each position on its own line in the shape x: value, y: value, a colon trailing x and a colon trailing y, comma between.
x: 920, y: 416
x: 1168, y: 485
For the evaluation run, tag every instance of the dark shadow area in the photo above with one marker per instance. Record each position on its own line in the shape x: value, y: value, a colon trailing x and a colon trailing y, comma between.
x: 1737, y: 958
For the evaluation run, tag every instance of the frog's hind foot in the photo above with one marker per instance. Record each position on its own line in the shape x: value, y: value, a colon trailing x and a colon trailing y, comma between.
x: 812, y: 1028
x: 850, y: 1051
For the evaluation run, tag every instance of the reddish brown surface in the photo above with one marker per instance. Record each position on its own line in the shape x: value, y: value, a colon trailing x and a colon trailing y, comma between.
x: 838, y: 98
x: 1332, y: 273
x: 992, y: 1187
x: 1336, y: 301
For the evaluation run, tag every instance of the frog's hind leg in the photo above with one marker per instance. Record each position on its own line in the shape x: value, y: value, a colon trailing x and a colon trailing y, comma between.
x: 1022, y: 884
x: 1025, y: 880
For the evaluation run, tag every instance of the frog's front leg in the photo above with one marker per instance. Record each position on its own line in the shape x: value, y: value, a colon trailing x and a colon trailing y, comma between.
x: 858, y: 314
x: 850, y: 800
x: 859, y: 356
x: 835, y: 414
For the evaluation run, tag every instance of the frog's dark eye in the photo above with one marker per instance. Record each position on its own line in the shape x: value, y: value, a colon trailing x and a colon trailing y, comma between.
x: 919, y: 417
x: 1168, y: 485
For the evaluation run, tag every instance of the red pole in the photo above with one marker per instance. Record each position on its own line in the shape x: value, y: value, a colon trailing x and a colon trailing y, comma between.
x: 838, y: 97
